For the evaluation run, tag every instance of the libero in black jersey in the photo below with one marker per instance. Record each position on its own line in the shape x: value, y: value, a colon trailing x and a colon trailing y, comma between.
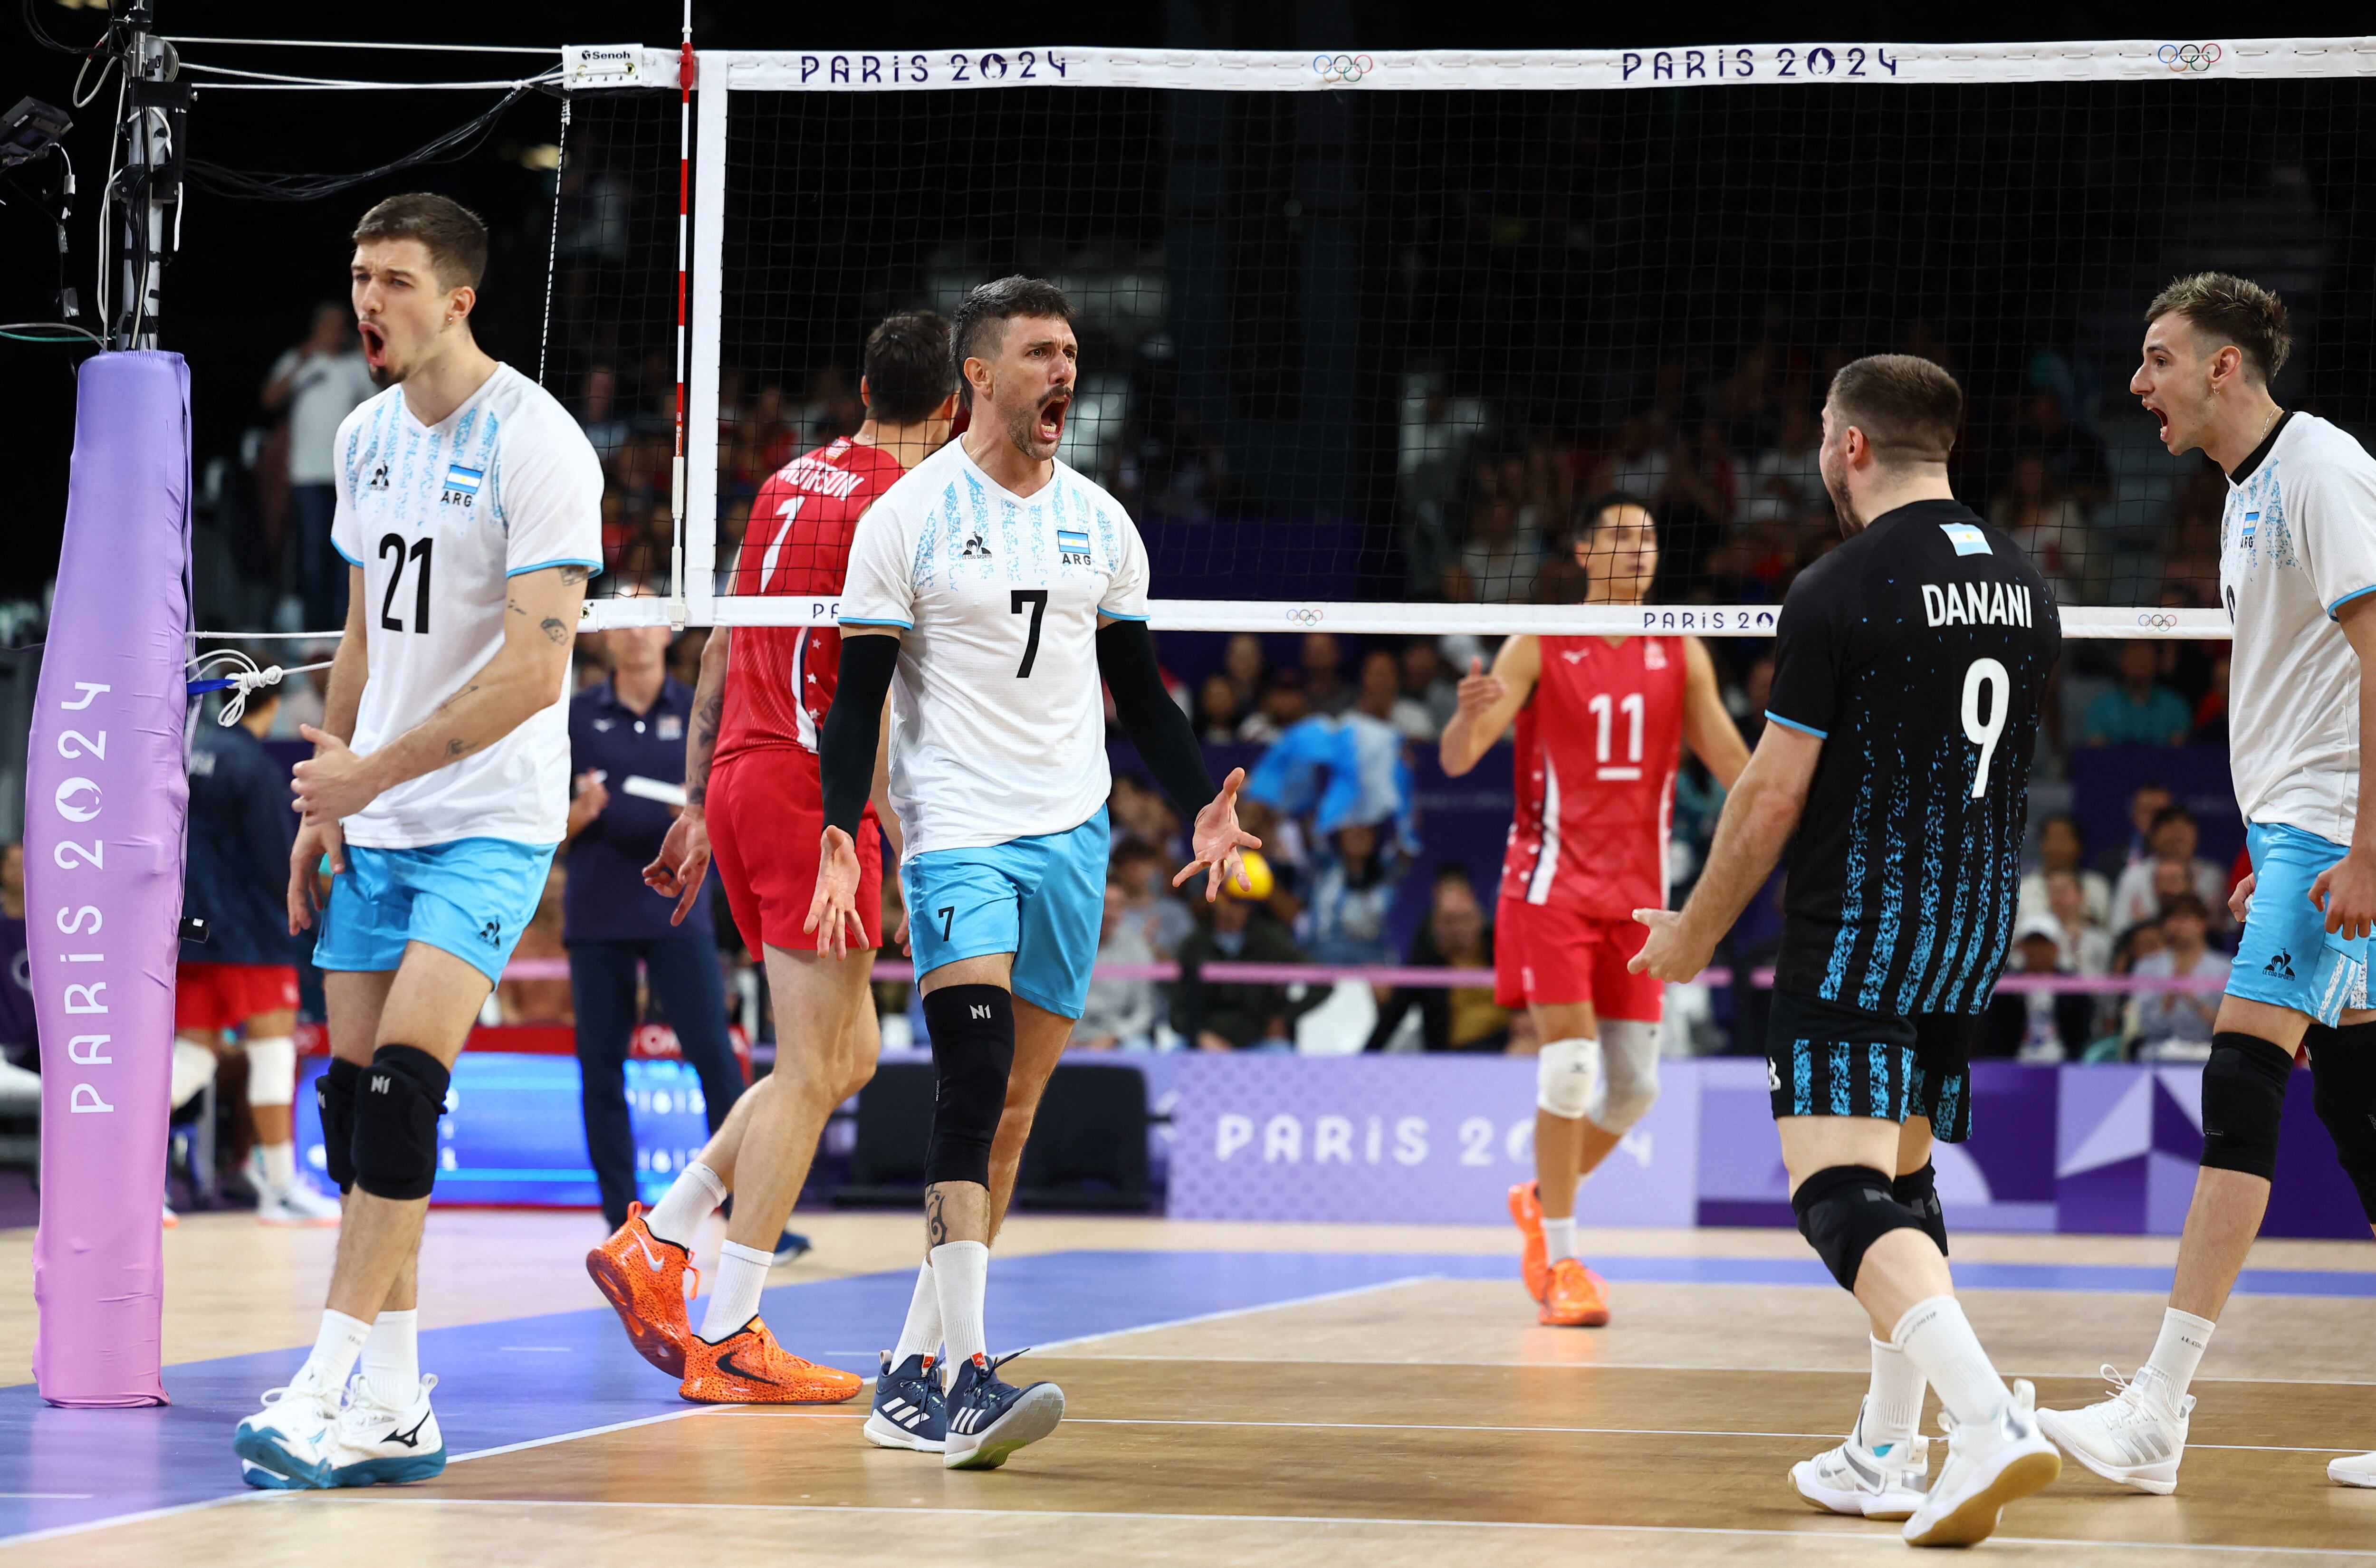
x: 1918, y: 652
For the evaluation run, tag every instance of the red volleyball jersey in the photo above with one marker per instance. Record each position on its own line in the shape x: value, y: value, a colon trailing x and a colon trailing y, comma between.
x: 780, y: 680
x: 1597, y: 747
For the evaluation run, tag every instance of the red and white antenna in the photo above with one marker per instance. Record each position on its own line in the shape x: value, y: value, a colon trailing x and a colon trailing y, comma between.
x: 684, y: 75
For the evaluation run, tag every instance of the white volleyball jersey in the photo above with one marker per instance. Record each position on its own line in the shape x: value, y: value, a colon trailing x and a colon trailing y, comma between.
x: 997, y: 711
x: 2296, y: 541
x: 438, y: 517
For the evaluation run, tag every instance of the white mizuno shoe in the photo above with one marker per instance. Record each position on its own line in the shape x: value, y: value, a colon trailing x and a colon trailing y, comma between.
x: 2358, y: 1469
x: 1990, y: 1463
x: 285, y: 1446
x: 1884, y: 1481
x: 296, y: 1204
x: 2135, y: 1437
x: 378, y: 1442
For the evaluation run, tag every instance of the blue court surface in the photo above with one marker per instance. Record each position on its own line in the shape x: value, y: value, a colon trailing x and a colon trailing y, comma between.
x: 530, y: 1380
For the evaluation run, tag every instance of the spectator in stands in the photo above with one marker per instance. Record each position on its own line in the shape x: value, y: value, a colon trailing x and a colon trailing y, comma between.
x: 1785, y: 481
x: 1218, y: 716
x: 2176, y: 1025
x: 2175, y: 868
x: 1161, y: 916
x: 1324, y: 687
x: 2211, y: 713
x: 1282, y: 708
x: 2074, y: 455
x: 2145, y: 803
x: 1456, y: 935
x: 1497, y: 564
x: 2038, y: 1026
x: 2048, y: 524
x: 1135, y: 811
x: 1243, y: 663
x: 1120, y: 1013
x: 1640, y: 464
x: 318, y: 383
x: 2061, y: 848
x: 599, y: 414
x: 1235, y: 1016
x: 2086, y: 946
x: 2140, y: 711
x: 1428, y: 687
x: 1380, y: 695
x: 1352, y: 887
x: 626, y: 746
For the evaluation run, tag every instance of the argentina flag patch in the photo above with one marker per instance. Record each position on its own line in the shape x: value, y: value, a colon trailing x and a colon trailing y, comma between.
x: 1968, y: 540
x: 465, y: 480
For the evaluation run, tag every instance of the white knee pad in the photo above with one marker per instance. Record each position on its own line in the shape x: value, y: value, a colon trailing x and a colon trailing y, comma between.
x: 193, y: 1069
x: 1628, y: 1083
x: 271, y: 1071
x: 1565, y: 1074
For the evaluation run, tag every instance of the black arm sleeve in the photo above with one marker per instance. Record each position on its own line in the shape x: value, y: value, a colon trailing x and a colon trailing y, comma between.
x: 1156, y: 727
x: 854, y: 727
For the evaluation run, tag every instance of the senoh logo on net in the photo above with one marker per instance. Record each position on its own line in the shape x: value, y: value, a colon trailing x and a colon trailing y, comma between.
x: 2189, y: 56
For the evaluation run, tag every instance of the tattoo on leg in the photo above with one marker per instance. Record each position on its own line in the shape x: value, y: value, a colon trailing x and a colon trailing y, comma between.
x: 936, y: 1229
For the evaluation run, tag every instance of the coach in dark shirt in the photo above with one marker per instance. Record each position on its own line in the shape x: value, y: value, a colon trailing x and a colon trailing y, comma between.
x: 626, y: 744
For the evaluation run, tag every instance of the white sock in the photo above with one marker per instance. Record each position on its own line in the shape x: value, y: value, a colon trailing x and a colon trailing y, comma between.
x: 1894, y: 1413
x: 920, y: 1335
x: 961, y: 1278
x: 333, y: 1358
x: 392, y: 1357
x: 693, y: 1198
x: 1559, y: 1238
x: 280, y: 1165
x: 1938, y: 1339
x: 2177, y: 1352
x: 734, y: 1297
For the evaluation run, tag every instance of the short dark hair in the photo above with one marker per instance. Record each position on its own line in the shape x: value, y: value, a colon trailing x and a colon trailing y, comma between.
x: 906, y: 366
x: 989, y: 308
x: 2228, y: 309
x: 1906, y: 406
x: 456, y: 237
x: 2168, y: 814
x: 1588, y: 515
x: 2184, y: 904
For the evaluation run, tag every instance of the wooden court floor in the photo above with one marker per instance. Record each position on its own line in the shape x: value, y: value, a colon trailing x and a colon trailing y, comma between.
x: 1420, y: 1419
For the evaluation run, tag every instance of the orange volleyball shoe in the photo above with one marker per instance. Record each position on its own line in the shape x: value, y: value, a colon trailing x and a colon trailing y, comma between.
x: 748, y: 1367
x: 1533, y: 1262
x: 1577, y: 1298
x: 647, y: 1281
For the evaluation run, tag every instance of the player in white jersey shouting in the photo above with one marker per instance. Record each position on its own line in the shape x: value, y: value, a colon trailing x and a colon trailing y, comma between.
x: 999, y: 586
x: 2297, y: 574
x: 470, y: 514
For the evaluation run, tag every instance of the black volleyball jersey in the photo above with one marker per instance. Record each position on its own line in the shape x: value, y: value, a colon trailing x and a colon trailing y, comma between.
x: 1918, y: 650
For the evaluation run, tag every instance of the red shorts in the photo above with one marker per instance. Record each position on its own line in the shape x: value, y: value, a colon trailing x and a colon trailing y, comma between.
x: 766, y: 814
x: 224, y: 996
x: 1545, y: 953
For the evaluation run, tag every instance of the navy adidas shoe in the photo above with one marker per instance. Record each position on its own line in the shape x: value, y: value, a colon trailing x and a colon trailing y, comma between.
x: 791, y: 1244
x: 910, y: 1411
x: 990, y: 1420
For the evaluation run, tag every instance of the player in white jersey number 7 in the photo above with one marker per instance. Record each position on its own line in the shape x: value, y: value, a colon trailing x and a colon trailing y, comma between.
x: 2297, y: 574
x: 999, y: 587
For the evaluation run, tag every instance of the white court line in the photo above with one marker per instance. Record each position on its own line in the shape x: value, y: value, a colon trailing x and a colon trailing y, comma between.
x: 592, y: 1431
x: 1658, y: 1366
x: 1233, y: 1311
x: 56, y: 1531
x: 1890, y: 1540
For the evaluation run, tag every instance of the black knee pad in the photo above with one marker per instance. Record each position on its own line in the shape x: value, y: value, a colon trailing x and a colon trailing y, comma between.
x: 334, y: 1095
x: 2343, y: 1075
x: 397, y: 1106
x: 1919, y: 1191
x: 973, y: 1051
x: 2243, y: 1103
x: 1842, y: 1211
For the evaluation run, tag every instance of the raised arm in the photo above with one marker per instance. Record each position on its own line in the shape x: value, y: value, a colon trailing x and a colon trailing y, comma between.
x: 1759, y: 817
x: 1708, y: 729
x: 1489, y: 701
x: 523, y: 679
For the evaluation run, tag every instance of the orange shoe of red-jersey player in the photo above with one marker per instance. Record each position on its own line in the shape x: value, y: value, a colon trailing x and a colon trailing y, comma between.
x: 748, y: 1367
x: 1577, y: 1298
x: 1533, y: 1262
x: 646, y: 1279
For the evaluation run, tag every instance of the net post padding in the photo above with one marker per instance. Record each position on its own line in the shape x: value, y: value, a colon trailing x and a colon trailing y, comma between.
x: 106, y: 794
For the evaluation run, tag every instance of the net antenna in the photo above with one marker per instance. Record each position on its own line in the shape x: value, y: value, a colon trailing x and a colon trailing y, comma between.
x: 688, y: 69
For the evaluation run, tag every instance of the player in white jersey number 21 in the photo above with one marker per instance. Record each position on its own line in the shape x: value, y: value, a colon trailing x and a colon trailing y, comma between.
x: 999, y: 587
x: 2297, y: 574
x: 469, y: 514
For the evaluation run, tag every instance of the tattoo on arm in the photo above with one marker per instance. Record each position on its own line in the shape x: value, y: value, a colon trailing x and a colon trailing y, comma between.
x: 572, y: 576
x: 516, y: 606
x: 457, y: 746
x: 554, y: 629
x: 936, y: 1229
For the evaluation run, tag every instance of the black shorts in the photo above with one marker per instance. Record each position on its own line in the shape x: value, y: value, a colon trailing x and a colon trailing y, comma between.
x: 1829, y: 1059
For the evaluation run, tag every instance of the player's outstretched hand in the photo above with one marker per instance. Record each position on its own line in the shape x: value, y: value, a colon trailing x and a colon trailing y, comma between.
x: 333, y: 783
x: 2346, y: 892
x: 308, y: 889
x: 833, y: 910
x: 1481, y: 689
x: 1219, y: 843
x: 676, y: 872
x: 1668, y: 953
x: 2240, y: 897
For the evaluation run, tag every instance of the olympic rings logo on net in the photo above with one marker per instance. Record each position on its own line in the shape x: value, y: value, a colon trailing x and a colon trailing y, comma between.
x: 2158, y: 622
x: 1305, y: 615
x: 1342, y: 69
x: 2188, y: 57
